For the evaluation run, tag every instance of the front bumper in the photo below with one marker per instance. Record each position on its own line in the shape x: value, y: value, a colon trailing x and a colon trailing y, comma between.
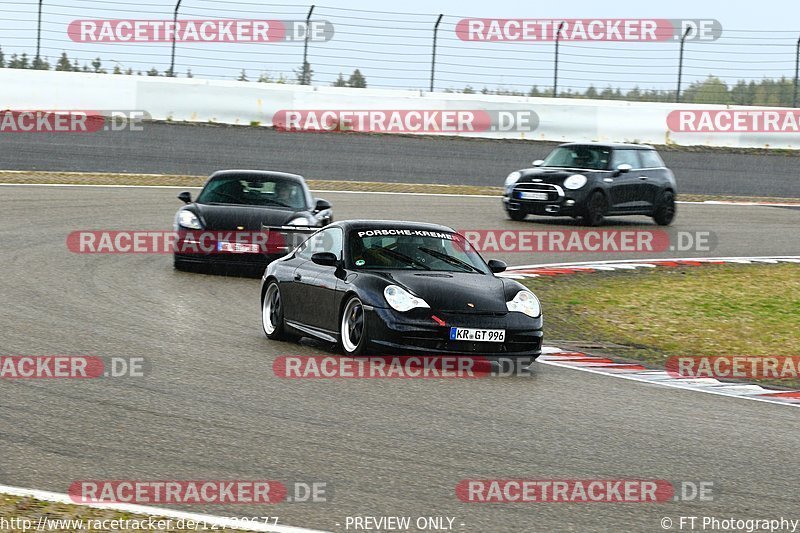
x: 200, y: 247
x: 560, y: 202
x: 255, y: 260
x: 417, y: 333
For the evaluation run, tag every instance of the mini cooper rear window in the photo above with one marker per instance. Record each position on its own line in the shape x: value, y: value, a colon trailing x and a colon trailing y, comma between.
x: 627, y: 157
x: 650, y: 159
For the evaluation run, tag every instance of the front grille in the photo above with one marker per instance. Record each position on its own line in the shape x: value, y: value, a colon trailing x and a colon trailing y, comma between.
x: 550, y: 190
x: 438, y: 338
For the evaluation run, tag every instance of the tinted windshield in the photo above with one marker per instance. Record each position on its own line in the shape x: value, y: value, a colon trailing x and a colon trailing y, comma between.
x: 410, y: 249
x: 247, y: 190
x: 588, y: 157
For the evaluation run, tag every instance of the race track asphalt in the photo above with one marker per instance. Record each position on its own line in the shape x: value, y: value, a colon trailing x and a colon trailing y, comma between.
x: 211, y: 407
x: 200, y: 150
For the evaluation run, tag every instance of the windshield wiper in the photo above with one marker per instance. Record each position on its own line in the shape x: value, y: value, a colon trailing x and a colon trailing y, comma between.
x: 402, y: 257
x: 450, y: 259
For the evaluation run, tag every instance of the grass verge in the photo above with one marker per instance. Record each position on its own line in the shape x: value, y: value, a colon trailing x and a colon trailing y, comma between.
x: 176, y: 180
x: 651, y: 314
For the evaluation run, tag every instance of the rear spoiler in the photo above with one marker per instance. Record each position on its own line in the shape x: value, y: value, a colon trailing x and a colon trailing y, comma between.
x: 284, y: 239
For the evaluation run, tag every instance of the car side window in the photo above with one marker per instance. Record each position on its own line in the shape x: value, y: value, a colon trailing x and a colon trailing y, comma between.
x: 629, y: 157
x: 327, y: 240
x: 650, y: 159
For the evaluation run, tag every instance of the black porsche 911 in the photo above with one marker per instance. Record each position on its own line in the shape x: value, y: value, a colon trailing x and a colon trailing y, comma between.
x: 235, y: 208
x: 592, y: 181
x: 380, y: 287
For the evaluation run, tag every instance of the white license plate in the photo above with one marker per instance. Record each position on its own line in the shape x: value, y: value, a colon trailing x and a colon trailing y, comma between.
x: 480, y: 335
x: 237, y: 247
x: 525, y: 195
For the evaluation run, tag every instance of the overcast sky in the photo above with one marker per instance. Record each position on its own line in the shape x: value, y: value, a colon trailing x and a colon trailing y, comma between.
x: 391, y: 42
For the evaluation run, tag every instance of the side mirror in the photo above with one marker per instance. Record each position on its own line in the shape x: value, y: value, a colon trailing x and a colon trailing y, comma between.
x: 325, y: 258
x: 538, y: 162
x: 185, y: 197
x: 624, y: 168
x: 321, y: 205
x: 496, y: 266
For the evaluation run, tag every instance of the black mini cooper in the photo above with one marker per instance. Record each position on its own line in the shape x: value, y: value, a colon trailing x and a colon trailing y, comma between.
x: 591, y: 181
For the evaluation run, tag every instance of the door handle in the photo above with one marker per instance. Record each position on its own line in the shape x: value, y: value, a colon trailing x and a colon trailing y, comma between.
x: 298, y: 277
x: 642, y: 177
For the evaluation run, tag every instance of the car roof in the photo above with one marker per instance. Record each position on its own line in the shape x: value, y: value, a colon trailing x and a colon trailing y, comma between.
x: 348, y: 225
x: 613, y: 146
x: 257, y: 174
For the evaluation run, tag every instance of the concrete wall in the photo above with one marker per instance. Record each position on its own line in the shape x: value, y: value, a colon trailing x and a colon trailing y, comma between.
x: 234, y: 102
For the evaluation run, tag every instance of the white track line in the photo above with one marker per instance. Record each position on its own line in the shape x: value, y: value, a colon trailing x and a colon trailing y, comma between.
x: 706, y: 202
x: 326, y: 191
x: 662, y: 383
x: 108, y: 186
x: 209, y: 520
x: 657, y: 260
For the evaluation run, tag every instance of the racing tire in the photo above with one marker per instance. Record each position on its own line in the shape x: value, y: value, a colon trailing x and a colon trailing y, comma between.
x: 272, y: 314
x: 517, y: 215
x: 353, y: 328
x: 664, y: 213
x: 596, y: 208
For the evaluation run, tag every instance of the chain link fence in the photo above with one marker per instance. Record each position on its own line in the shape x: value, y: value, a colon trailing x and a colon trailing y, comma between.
x: 401, y: 50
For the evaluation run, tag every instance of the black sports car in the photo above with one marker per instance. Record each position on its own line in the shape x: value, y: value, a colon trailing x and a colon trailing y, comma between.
x: 591, y: 181
x: 380, y: 287
x: 246, y: 217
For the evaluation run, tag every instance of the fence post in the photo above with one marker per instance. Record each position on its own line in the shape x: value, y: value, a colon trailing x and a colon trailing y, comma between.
x: 171, y: 73
x: 796, y: 72
x: 555, y: 64
x: 304, y: 70
x: 680, y: 64
x: 39, y: 34
x: 433, y: 55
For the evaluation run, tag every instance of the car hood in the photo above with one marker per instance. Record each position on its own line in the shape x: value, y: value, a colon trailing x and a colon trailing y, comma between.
x: 232, y: 217
x: 552, y: 174
x: 454, y: 291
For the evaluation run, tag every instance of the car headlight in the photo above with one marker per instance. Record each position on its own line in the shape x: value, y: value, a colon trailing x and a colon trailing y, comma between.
x: 402, y: 300
x: 511, y: 179
x: 576, y: 181
x: 525, y: 302
x: 299, y: 221
x: 187, y: 219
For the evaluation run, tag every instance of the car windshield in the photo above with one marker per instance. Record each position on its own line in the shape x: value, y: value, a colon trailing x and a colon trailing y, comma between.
x: 588, y: 157
x: 412, y: 249
x: 249, y: 190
